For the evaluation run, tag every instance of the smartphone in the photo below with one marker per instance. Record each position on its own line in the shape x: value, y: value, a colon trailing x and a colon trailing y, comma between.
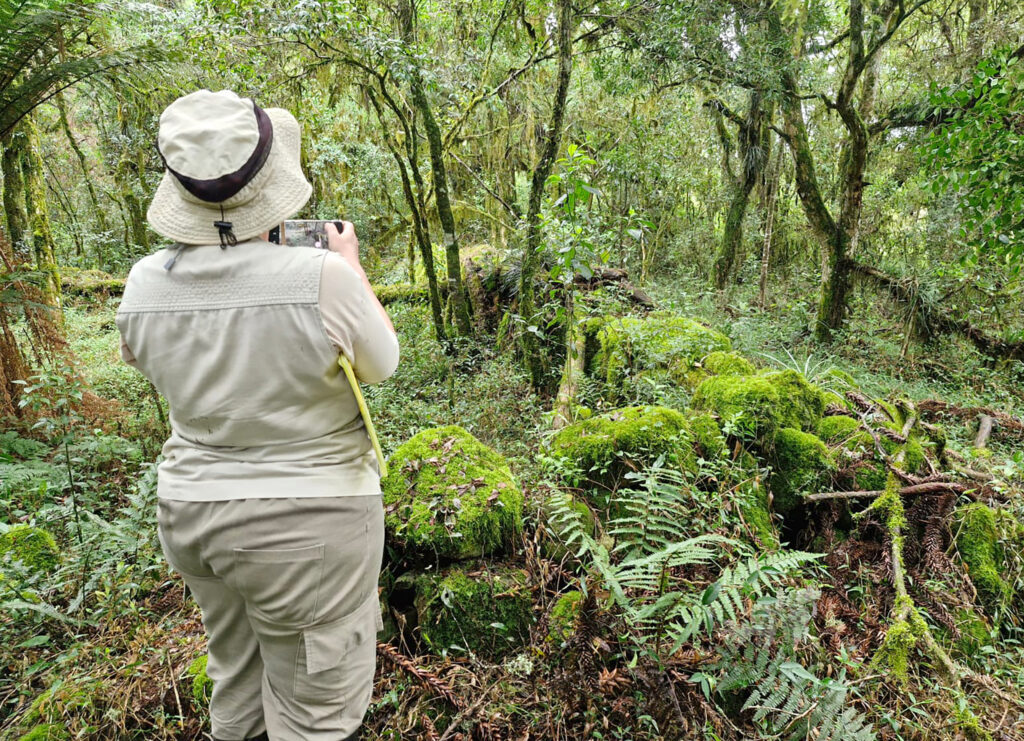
x: 303, y: 233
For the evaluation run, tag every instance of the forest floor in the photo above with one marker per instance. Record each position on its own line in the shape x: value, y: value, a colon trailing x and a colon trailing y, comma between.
x: 105, y: 644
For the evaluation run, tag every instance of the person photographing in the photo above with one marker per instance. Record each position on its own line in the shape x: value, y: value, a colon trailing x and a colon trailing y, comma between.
x: 269, y: 503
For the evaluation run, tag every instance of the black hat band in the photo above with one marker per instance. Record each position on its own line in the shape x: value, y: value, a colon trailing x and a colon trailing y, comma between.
x: 220, y: 189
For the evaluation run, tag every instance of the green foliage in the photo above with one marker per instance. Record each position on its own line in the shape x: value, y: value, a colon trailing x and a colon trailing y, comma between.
x: 801, y: 464
x: 974, y: 154
x: 486, y: 610
x: 786, y: 699
x: 562, y: 618
x: 450, y: 496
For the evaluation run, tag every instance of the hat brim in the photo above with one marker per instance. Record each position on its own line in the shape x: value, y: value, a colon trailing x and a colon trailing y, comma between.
x: 285, y: 192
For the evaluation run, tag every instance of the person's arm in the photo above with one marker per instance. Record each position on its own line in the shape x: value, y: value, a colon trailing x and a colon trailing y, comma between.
x: 346, y: 244
x: 353, y: 318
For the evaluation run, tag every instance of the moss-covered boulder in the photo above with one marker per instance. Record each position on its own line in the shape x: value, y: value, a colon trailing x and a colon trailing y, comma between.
x: 622, y: 350
x: 982, y: 537
x: 562, y: 618
x: 199, y: 681
x: 32, y: 546
x: 801, y: 464
x: 756, y: 406
x: 606, y: 447
x: 450, y: 496
x: 720, y: 363
x: 838, y: 429
x: 486, y: 609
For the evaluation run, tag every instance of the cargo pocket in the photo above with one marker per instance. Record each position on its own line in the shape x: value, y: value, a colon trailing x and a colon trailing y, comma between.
x: 337, y: 660
x: 280, y: 586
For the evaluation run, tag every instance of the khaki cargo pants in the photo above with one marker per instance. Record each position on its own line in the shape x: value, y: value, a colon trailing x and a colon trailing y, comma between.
x: 288, y: 592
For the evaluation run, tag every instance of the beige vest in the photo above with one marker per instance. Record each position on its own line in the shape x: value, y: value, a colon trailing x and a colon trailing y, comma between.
x: 234, y: 340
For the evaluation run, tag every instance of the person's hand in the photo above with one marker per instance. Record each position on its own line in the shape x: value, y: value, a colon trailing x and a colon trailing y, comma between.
x: 346, y: 243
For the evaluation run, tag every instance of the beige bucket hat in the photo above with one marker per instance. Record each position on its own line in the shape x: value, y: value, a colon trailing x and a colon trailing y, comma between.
x: 232, y: 169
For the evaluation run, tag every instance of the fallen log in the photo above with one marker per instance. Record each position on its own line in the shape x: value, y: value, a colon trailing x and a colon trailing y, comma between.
x: 935, y: 320
x: 931, y: 487
x: 1005, y: 423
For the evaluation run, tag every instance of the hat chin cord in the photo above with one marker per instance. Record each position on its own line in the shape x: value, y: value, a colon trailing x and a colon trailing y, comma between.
x: 224, y: 230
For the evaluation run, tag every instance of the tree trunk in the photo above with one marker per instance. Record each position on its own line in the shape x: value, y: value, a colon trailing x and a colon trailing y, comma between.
x: 772, y: 189
x: 421, y: 230
x: 127, y: 175
x: 39, y: 221
x: 527, y: 302
x: 101, y: 217
x: 456, y: 289
x: 14, y: 188
x: 752, y: 158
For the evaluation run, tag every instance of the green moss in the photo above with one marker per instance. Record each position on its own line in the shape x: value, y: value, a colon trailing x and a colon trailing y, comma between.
x: 609, y: 445
x: 396, y: 292
x: 562, y: 618
x: 46, y: 732
x: 90, y: 283
x: 800, y: 464
x: 449, y: 495
x: 721, y: 363
x: 487, y: 610
x: 750, y: 403
x: 894, y: 653
x: 626, y: 346
x: 975, y: 633
x: 757, y: 514
x: 837, y: 429
x: 978, y: 542
x: 32, y: 546
x: 801, y: 404
x: 202, y: 685
x: 707, y: 437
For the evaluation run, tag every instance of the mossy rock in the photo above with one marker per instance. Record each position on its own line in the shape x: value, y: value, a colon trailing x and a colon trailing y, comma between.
x: 46, y: 732
x: 450, y: 496
x: 759, y: 405
x: 32, y: 546
x: 750, y: 403
x: 562, y: 618
x: 486, y: 609
x: 89, y: 282
x: 981, y: 536
x: 801, y: 463
x: 802, y: 403
x: 720, y: 363
x: 606, y: 447
x: 837, y: 429
x: 202, y: 685
x: 624, y: 347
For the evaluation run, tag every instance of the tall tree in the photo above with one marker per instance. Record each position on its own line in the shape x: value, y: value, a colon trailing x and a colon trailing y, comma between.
x: 541, y: 173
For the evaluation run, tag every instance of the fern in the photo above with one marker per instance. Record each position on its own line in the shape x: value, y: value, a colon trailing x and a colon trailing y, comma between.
x: 649, y: 587
x: 787, y: 700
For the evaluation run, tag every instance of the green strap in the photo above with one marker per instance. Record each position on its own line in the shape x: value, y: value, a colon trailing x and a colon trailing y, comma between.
x: 365, y: 412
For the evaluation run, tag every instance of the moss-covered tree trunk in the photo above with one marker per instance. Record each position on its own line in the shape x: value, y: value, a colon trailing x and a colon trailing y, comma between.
x: 527, y: 300
x: 752, y: 148
x: 14, y: 187
x: 102, y: 224
x: 128, y: 176
x: 456, y: 288
x: 420, y: 227
x: 43, y: 248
